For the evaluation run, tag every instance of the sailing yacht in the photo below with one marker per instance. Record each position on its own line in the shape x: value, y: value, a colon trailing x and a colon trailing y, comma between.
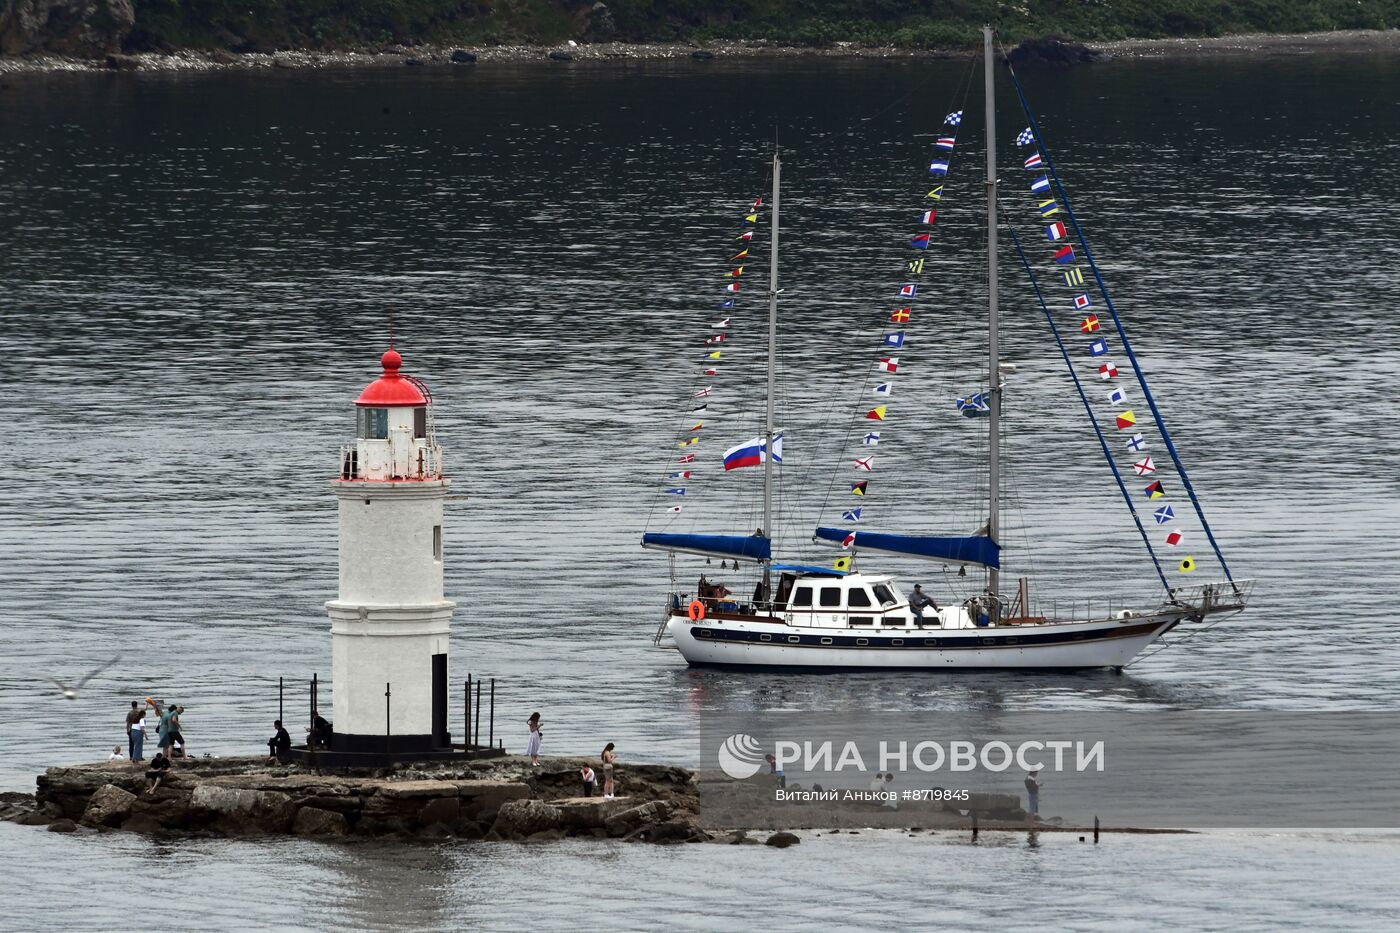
x: 844, y: 617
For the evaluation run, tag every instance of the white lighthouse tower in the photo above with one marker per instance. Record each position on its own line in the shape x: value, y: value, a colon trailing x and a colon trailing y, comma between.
x: 390, y: 623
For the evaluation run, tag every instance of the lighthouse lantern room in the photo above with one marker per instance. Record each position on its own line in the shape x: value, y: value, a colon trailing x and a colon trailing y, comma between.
x: 390, y: 623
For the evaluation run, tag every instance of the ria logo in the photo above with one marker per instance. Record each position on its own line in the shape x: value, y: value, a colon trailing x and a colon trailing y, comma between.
x: 740, y: 756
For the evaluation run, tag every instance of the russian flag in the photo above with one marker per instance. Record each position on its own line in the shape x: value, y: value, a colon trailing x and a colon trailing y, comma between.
x: 1033, y: 161
x: 752, y: 453
x: 919, y: 242
x: 1055, y: 231
x: 1065, y: 254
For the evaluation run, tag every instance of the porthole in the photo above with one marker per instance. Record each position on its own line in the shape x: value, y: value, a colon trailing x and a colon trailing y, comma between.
x: 706, y: 633
x: 825, y: 641
x: 897, y: 642
x: 862, y: 642
x: 794, y: 639
x: 766, y: 637
x: 930, y: 642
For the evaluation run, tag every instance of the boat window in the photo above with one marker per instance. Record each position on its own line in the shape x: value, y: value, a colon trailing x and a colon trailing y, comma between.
x: 802, y: 596
x: 831, y: 595
x: 885, y: 595
x: 373, y: 423
x: 859, y: 598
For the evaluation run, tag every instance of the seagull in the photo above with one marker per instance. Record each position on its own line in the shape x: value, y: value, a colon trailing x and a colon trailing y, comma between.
x: 71, y: 693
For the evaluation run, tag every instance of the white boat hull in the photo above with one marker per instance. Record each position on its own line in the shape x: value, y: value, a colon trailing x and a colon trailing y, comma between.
x: 1067, y: 645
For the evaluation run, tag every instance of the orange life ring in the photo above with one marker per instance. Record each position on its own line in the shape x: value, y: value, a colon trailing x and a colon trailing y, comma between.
x: 696, y: 610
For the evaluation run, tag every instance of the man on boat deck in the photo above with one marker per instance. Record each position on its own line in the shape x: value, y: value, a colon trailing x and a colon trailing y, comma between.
x: 918, y: 602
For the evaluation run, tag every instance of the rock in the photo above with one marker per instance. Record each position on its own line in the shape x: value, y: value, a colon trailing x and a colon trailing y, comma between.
x: 346, y: 804
x: 546, y: 835
x: 142, y: 823
x: 1052, y: 52
x: 561, y: 56
x: 280, y: 62
x: 463, y: 57
x: 87, y: 28
x: 312, y: 821
x: 33, y: 819
x: 441, y: 810
x: 63, y: 825
x: 123, y: 62
x: 481, y: 800
x: 628, y: 821
x: 782, y: 840
x: 108, y: 806
x: 470, y: 829
x: 239, y: 810
x: 703, y: 55
x: 406, y: 790
x: 221, y: 57
x: 599, y: 23
x: 418, y: 63
x: 520, y: 818
x: 676, y: 831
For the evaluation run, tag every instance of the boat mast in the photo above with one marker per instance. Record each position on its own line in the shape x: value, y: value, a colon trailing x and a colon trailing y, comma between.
x: 772, y: 375
x: 994, y: 362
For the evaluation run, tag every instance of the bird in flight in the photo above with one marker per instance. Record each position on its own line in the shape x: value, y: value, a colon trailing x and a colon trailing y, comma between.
x: 71, y: 693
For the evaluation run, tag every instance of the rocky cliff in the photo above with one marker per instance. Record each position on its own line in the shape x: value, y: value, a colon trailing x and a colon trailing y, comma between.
x: 85, y: 28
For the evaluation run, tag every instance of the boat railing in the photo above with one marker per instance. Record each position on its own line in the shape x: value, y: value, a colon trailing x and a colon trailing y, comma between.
x: 1221, y: 596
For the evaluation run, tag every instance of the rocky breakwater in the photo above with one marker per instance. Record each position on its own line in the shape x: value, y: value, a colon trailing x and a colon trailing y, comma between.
x: 496, y: 799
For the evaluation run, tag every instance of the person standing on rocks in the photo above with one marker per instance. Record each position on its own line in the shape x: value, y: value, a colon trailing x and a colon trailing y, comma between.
x: 135, y: 715
x: 166, y: 732
x: 177, y: 734
x: 536, y: 737
x: 136, y: 737
x: 609, y: 757
x: 586, y: 772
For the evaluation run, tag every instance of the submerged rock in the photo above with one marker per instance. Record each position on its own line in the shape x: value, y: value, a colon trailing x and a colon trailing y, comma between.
x: 782, y: 840
x: 463, y: 57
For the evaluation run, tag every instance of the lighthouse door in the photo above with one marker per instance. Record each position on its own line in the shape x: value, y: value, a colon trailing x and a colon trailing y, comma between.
x: 440, y: 736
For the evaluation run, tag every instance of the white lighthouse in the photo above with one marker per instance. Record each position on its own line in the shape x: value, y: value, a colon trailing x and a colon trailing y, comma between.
x: 390, y: 623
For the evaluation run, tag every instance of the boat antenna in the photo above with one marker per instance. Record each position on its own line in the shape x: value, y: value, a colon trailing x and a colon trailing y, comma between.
x: 768, y: 426
x: 993, y: 324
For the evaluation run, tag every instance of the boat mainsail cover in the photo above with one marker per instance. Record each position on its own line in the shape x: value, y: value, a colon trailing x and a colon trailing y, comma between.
x: 742, y: 547
x: 972, y: 549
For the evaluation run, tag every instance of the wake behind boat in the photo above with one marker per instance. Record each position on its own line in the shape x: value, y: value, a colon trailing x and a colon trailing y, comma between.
x: 802, y: 614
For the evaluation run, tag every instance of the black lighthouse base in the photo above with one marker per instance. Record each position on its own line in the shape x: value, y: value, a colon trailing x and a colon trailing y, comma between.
x: 378, y: 751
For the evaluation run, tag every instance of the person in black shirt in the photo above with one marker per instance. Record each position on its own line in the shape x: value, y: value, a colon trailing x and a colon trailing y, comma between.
x: 279, y: 744
x: 160, y: 767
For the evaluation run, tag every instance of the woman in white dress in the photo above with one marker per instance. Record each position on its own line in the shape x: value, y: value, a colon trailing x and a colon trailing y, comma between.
x: 536, y: 736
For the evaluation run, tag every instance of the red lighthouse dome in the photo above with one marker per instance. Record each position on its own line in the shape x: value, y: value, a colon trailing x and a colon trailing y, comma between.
x: 391, y: 390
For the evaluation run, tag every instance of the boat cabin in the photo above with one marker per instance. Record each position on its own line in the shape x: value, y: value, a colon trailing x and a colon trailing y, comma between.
x: 824, y: 600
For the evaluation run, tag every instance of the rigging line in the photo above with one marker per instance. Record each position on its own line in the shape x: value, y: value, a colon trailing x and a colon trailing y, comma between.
x: 1093, y: 419
x: 1118, y: 325
x: 962, y: 91
x: 669, y: 467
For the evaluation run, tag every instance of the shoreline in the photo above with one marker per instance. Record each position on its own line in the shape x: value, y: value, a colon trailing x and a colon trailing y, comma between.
x: 1342, y: 41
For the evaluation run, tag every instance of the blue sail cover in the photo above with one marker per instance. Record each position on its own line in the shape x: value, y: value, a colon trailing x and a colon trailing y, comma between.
x: 746, y: 547
x: 974, y: 549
